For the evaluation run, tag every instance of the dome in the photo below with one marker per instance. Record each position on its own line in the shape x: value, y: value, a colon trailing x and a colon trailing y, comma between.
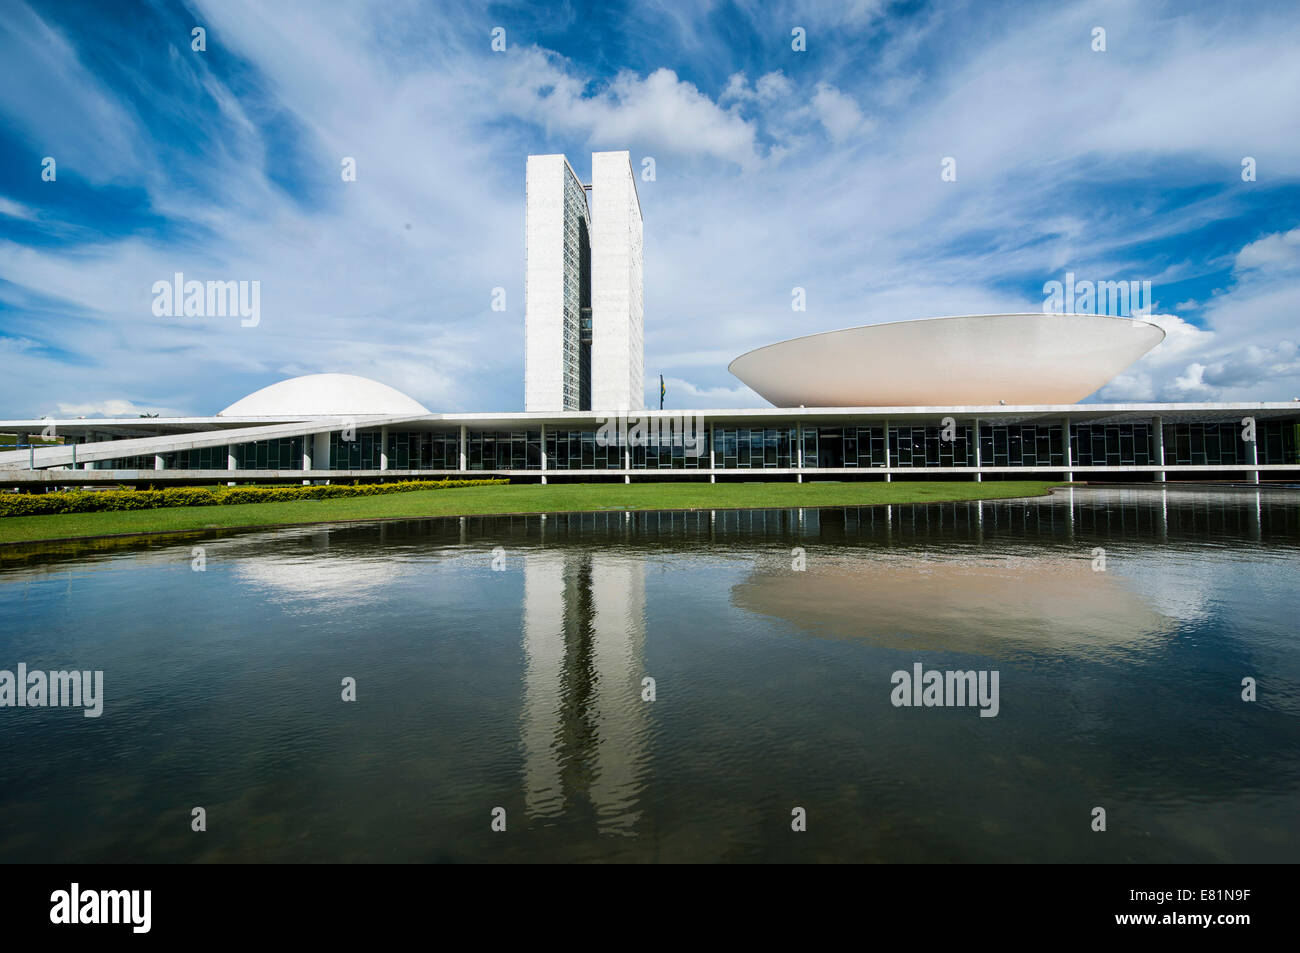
x: 325, y: 395
x: 978, y: 360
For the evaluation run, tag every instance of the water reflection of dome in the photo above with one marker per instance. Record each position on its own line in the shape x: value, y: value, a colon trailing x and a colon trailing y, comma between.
x: 979, y: 606
x: 316, y: 575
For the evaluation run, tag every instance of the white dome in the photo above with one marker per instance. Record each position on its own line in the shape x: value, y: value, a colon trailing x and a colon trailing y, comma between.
x: 321, y: 395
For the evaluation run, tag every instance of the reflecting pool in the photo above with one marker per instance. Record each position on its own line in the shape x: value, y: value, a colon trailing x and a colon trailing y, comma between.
x: 503, y: 662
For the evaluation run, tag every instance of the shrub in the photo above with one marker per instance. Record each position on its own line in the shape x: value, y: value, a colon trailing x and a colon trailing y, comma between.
x: 81, y: 501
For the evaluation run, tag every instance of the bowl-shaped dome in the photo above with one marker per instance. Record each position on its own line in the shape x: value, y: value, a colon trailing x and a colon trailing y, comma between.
x: 949, y: 362
x: 319, y: 395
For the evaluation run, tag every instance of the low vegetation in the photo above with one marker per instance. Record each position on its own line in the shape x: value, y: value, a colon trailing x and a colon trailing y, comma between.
x: 84, y: 501
x: 496, y: 498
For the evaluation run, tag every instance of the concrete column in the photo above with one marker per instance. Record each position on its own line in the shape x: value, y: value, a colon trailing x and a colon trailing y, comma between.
x: 544, y: 461
x: 887, y: 475
x: 627, y: 464
x: 464, y: 446
x: 798, y: 436
x: 320, y: 454
x: 158, y: 461
x: 1252, y: 455
x: 308, y: 440
x: 1158, y: 430
x: 383, y: 448
x: 979, y: 460
x: 230, y: 457
x: 713, y: 439
x: 1069, y: 454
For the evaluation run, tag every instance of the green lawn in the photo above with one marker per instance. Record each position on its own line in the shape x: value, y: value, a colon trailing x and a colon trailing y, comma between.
x: 523, y: 498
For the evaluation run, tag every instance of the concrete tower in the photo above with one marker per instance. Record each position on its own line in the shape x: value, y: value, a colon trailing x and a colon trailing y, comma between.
x: 617, y: 318
x: 557, y: 285
x: 583, y: 323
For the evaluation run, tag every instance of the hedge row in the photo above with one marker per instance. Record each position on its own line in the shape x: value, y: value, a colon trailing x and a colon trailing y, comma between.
x: 81, y: 501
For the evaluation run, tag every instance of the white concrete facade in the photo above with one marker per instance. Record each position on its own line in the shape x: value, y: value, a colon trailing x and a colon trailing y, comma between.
x: 550, y: 305
x: 319, y: 394
x: 1015, y: 359
x: 617, y: 283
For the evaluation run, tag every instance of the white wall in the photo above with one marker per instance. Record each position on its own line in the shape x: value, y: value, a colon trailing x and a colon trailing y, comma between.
x: 617, y: 349
x: 544, y: 284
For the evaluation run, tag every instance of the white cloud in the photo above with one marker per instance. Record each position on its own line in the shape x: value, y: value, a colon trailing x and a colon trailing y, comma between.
x: 1247, y: 349
x: 12, y: 209
x: 685, y: 395
x: 837, y: 112
x: 112, y: 407
x: 657, y: 112
x: 769, y: 88
x: 1278, y: 252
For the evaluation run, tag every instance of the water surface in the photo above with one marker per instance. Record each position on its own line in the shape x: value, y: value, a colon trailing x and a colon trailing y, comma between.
x: 521, y: 687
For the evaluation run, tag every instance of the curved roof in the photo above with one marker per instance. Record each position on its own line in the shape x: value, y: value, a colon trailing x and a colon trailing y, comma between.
x: 318, y: 395
x: 973, y: 360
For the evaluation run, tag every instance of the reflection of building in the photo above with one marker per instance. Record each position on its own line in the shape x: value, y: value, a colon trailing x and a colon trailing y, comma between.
x: 584, y: 727
x: 963, y: 603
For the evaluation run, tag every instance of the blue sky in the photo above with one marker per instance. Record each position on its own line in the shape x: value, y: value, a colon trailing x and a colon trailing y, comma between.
x: 775, y: 169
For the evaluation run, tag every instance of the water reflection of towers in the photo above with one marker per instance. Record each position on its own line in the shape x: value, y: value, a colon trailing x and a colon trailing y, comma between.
x: 584, y: 726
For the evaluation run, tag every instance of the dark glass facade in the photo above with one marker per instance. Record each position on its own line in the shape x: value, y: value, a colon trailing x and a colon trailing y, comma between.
x: 1221, y: 443
x: 769, y: 448
x: 205, y: 458
x: 285, y: 454
x: 1097, y: 445
x: 752, y: 448
x: 579, y: 450
x: 926, y: 447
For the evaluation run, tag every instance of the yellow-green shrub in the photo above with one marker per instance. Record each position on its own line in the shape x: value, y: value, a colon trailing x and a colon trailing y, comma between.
x: 82, y: 501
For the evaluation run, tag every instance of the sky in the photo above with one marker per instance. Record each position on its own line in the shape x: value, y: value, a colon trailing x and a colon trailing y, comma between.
x: 775, y: 168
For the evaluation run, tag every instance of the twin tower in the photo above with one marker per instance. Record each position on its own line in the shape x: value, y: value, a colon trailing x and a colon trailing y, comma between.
x: 584, y: 340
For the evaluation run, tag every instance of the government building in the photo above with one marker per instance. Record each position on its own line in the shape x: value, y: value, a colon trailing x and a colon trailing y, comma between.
x: 978, y: 397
